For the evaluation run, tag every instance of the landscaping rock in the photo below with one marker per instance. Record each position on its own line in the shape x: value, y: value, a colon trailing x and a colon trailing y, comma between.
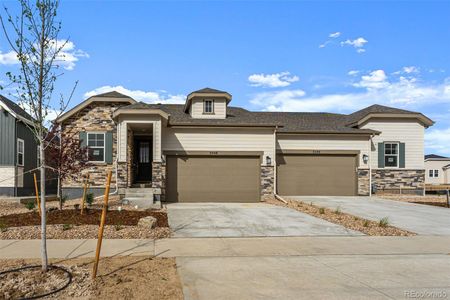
x: 149, y: 222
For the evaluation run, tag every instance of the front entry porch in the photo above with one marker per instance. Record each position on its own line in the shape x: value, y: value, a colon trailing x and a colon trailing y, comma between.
x: 141, y: 169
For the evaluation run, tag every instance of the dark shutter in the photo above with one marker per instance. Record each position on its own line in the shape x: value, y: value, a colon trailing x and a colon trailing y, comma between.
x: 83, y: 139
x: 401, y: 155
x: 109, y: 147
x: 380, y: 155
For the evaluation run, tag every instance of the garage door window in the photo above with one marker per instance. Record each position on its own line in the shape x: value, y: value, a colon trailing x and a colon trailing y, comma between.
x: 391, y: 155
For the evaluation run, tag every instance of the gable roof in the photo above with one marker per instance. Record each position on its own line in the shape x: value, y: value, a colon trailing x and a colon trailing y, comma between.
x: 208, y: 90
x: 16, y: 109
x: 436, y: 157
x: 377, y: 110
x: 112, y: 96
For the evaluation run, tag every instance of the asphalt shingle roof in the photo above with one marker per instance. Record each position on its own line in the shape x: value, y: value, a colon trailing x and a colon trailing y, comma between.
x: 376, y: 109
x: 112, y: 94
x: 15, y: 108
x: 431, y: 156
x: 236, y: 116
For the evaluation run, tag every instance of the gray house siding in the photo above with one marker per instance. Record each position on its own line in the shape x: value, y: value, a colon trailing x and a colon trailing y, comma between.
x: 30, y: 159
x: 7, y: 134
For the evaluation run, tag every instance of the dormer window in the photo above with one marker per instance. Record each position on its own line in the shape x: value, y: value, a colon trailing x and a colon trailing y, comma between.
x: 208, y: 106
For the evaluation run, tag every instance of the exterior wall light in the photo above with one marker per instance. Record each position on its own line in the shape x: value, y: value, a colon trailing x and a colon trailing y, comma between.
x: 365, y: 158
x: 268, y: 160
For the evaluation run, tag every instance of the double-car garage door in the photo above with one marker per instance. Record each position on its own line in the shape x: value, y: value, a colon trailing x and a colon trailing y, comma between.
x: 317, y: 174
x: 213, y: 179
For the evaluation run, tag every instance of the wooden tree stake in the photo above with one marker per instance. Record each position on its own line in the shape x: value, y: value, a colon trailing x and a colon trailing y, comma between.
x: 37, y: 194
x: 86, y: 186
x: 102, y: 225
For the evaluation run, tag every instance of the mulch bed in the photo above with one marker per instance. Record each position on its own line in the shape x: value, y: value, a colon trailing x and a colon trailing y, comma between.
x: 348, y: 221
x: 90, y: 217
x: 439, y: 204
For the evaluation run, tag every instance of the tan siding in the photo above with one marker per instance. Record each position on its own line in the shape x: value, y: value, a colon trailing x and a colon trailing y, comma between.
x: 196, y: 109
x: 409, y: 132
x: 219, y: 139
x: 435, y: 165
x: 152, y: 120
x: 327, y: 142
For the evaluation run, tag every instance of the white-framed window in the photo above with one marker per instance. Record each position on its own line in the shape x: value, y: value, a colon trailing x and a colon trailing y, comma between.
x: 20, y: 152
x: 433, y: 173
x: 391, y: 155
x: 208, y: 106
x: 96, y: 146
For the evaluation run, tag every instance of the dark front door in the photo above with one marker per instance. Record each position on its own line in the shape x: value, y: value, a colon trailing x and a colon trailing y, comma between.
x: 143, y: 159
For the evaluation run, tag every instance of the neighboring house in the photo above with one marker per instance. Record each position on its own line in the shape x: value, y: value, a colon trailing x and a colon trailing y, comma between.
x: 437, y: 169
x: 207, y: 150
x: 18, y: 150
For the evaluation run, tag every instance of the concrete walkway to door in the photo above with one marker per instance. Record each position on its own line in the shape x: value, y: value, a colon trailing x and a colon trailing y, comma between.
x: 418, y: 218
x: 247, y: 220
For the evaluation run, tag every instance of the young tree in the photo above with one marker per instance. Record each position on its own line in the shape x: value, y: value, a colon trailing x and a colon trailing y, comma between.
x: 66, y: 157
x: 33, y: 35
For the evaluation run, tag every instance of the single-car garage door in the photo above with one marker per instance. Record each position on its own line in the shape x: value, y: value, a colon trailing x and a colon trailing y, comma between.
x: 321, y: 175
x: 213, y: 179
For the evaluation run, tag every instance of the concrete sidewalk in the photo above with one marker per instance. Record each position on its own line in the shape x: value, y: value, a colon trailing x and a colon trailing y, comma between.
x: 224, y: 247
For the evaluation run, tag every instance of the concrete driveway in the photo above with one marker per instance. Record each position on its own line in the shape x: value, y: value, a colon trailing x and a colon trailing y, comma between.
x: 246, y: 220
x: 418, y: 218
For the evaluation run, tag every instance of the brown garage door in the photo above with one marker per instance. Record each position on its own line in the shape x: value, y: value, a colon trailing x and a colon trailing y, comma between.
x: 213, y: 179
x: 324, y: 175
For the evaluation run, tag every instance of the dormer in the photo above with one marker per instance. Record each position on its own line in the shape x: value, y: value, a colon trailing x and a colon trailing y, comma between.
x: 207, y: 103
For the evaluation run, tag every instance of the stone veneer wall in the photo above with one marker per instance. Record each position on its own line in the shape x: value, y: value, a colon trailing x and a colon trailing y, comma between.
x: 159, y: 177
x: 393, y: 180
x: 267, y: 182
x: 363, y: 182
x: 94, y: 117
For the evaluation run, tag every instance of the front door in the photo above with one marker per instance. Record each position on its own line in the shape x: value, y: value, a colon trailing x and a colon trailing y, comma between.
x: 143, y: 159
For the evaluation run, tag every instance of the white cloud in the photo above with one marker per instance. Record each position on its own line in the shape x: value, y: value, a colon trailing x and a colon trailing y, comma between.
x: 410, y: 69
x: 438, y: 140
x: 353, y: 72
x: 375, y: 80
x: 376, y: 87
x: 67, y: 57
x: 139, y: 95
x: 8, y: 58
x: 272, y: 80
x: 358, y: 44
x: 334, y: 35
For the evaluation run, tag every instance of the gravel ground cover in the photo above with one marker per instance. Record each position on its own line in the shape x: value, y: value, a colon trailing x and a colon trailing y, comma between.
x: 17, y: 222
x: 368, y: 227
x: 435, y: 200
x: 118, y: 278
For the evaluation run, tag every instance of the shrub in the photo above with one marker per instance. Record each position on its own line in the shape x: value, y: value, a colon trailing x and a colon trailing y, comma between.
x: 366, y: 223
x: 321, y: 210
x: 30, y: 205
x: 64, y: 198
x: 355, y: 218
x: 118, y: 227
x: 384, y: 222
x: 67, y: 227
x: 90, y: 198
x: 3, y: 226
x: 338, y: 210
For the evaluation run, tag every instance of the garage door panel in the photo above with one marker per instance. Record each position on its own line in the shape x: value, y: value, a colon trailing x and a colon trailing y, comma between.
x: 326, y: 175
x: 213, y: 179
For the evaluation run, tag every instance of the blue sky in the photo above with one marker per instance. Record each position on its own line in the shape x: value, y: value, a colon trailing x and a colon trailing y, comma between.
x: 291, y: 56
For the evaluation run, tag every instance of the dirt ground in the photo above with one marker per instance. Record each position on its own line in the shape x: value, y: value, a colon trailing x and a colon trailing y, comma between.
x: 118, y: 278
x: 435, y: 200
x: 17, y: 222
x: 348, y: 221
